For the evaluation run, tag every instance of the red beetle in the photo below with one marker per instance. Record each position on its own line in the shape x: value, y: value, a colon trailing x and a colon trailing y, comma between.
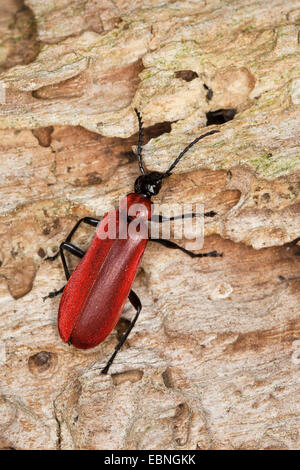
x: 94, y: 297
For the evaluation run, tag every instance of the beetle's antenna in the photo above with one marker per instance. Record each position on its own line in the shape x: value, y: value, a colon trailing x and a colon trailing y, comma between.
x: 140, y: 143
x: 187, y: 148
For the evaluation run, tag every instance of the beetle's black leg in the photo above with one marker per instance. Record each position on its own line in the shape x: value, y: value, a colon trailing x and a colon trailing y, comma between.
x: 86, y: 220
x: 169, y: 244
x: 135, y: 301
x: 54, y: 293
x: 74, y: 250
x: 161, y: 218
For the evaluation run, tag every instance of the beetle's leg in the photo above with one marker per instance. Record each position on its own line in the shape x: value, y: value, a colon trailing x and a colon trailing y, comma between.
x: 161, y: 218
x: 74, y: 250
x: 169, y: 244
x: 86, y: 220
x: 136, y: 303
x: 54, y: 293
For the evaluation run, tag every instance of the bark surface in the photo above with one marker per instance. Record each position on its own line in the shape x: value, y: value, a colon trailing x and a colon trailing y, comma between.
x: 213, y: 361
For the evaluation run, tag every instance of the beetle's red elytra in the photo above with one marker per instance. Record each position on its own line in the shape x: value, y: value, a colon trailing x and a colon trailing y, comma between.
x: 94, y: 297
x: 90, y: 309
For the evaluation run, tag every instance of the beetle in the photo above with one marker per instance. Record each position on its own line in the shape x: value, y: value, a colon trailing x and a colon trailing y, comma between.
x: 95, y: 294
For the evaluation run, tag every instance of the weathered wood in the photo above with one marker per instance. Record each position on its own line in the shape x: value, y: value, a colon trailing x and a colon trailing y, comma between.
x: 213, y: 361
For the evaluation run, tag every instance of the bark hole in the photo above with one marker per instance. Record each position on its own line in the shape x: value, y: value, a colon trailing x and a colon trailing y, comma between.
x: 220, y: 116
x: 186, y: 75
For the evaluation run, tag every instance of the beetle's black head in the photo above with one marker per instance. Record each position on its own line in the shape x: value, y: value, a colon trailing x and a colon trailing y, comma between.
x: 149, y: 185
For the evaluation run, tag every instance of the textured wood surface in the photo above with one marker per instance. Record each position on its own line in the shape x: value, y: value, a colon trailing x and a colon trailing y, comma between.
x: 213, y: 361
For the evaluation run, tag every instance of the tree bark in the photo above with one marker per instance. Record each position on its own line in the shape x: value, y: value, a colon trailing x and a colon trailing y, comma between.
x: 213, y: 361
